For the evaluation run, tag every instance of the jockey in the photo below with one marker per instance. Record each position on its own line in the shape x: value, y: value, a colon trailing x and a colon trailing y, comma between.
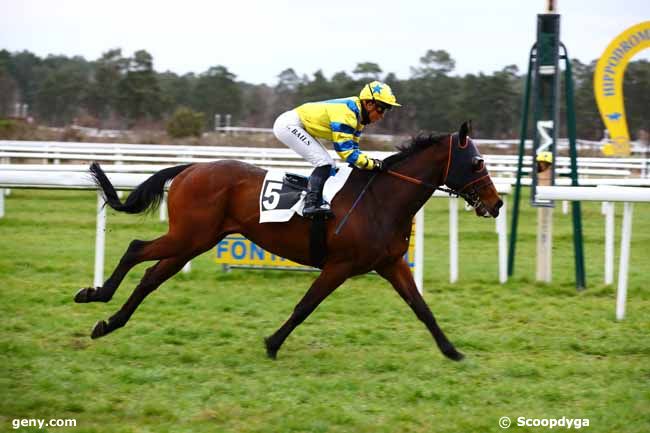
x: 340, y: 121
x: 544, y: 160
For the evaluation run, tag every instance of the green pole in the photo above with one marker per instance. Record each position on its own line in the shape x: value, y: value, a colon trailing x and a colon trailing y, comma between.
x: 520, y: 165
x: 576, y: 210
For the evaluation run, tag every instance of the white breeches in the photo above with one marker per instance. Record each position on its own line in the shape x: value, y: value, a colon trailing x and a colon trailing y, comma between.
x: 289, y: 130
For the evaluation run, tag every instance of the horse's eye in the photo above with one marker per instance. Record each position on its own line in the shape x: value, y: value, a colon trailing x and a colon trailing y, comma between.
x: 478, y: 164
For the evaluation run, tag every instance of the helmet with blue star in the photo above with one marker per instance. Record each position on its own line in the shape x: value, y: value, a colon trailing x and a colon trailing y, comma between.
x: 378, y: 91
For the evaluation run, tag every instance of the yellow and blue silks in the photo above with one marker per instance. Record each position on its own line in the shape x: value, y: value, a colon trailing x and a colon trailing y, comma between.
x: 339, y: 121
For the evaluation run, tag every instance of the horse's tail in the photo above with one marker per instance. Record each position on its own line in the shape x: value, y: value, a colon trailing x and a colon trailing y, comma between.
x: 146, y: 196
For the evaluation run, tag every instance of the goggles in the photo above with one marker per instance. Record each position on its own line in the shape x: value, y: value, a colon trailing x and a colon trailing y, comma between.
x: 382, y: 107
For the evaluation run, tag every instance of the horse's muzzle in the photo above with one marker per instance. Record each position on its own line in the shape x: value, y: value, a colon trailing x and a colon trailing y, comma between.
x: 497, y: 206
x: 483, y: 210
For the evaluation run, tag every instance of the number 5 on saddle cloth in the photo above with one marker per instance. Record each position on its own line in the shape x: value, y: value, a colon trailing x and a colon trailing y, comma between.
x: 283, y: 193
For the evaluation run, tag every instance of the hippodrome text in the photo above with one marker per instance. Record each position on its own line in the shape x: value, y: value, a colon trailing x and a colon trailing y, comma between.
x: 609, y: 88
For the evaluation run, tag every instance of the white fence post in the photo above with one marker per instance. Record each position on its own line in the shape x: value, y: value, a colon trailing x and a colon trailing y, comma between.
x: 502, y: 232
x: 100, y: 236
x: 6, y: 191
x: 163, y: 207
x: 609, y: 210
x: 544, y: 244
x: 453, y: 239
x: 626, y: 237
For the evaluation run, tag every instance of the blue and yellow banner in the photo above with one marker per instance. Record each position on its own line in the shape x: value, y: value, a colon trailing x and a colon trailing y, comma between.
x: 608, y: 84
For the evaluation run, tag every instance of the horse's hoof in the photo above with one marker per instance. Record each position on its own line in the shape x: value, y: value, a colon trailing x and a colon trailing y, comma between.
x: 270, y: 352
x: 100, y: 329
x: 454, y: 355
x: 83, y: 295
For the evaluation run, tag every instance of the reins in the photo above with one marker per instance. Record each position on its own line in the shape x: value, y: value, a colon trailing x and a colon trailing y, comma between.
x: 411, y: 179
x: 356, y: 202
x: 427, y: 184
x: 421, y: 182
x: 469, y: 198
x: 399, y: 176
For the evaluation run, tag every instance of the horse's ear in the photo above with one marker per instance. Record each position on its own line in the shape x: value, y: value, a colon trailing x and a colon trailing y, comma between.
x: 464, y: 132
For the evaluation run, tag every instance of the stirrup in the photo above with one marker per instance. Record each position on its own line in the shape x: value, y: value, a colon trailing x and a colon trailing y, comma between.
x: 324, y: 210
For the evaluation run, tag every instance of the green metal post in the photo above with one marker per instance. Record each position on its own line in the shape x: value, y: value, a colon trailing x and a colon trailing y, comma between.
x: 576, y: 210
x: 520, y: 165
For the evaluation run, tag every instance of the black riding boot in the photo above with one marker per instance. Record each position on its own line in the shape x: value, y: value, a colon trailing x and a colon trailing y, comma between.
x: 314, y: 204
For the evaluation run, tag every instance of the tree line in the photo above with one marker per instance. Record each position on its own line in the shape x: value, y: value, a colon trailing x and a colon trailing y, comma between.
x: 119, y: 91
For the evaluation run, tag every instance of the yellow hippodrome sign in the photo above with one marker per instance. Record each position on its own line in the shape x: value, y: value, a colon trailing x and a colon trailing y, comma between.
x: 608, y: 84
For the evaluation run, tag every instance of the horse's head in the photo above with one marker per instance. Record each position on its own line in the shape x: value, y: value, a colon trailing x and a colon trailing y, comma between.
x: 466, y: 174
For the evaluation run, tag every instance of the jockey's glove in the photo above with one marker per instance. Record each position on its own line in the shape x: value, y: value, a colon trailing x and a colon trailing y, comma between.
x: 377, y: 164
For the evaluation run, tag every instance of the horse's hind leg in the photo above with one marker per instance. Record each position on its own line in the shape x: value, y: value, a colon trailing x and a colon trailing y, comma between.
x: 399, y: 275
x: 331, y: 278
x: 153, y: 277
x: 131, y: 257
x: 184, y: 248
x: 137, y: 252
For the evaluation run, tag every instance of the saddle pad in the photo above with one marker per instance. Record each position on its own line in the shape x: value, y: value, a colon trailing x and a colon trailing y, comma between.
x: 278, y: 202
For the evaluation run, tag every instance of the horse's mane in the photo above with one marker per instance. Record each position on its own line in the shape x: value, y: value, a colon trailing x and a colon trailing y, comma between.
x: 413, y: 146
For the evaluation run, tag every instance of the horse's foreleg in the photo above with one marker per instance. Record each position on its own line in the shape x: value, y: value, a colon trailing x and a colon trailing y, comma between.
x: 399, y: 275
x: 153, y: 277
x: 330, y: 278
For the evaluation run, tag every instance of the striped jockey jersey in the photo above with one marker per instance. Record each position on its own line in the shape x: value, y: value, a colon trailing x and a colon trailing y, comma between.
x: 339, y: 121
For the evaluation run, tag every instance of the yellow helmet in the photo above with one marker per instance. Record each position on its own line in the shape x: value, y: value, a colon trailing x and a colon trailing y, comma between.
x: 545, y: 156
x: 378, y: 91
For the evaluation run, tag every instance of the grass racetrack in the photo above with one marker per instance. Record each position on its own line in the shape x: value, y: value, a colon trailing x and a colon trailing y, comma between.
x: 192, y: 359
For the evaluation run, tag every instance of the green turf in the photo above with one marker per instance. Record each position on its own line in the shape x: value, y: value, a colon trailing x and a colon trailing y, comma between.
x: 192, y: 359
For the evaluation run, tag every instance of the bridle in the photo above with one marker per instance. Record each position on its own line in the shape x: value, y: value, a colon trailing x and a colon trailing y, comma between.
x: 469, y: 191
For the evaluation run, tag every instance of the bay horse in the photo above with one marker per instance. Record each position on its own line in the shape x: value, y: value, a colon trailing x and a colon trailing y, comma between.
x: 208, y: 201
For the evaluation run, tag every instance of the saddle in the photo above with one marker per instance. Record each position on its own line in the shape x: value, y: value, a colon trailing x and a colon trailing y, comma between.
x: 281, y: 194
x: 317, y: 241
x: 293, y: 187
x: 296, y: 181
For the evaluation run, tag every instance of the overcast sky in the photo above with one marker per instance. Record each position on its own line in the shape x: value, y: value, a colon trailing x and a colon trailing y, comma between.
x: 256, y: 40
